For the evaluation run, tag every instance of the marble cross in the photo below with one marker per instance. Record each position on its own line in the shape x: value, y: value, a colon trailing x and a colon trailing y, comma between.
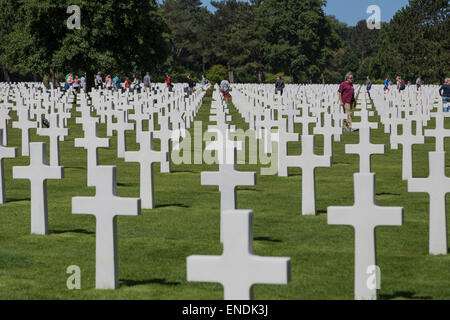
x: 238, y: 268
x: 439, y: 133
x: 228, y: 178
x: 91, y: 142
x: 146, y: 156
x: 305, y: 120
x: 121, y: 126
x: 54, y: 132
x: 437, y: 185
x: 38, y: 172
x: 407, y: 139
x: 25, y: 124
x: 308, y: 162
x: 328, y: 131
x: 165, y: 135
x: 4, y: 119
x: 4, y: 153
x: 365, y: 216
x: 106, y: 206
x: 364, y: 148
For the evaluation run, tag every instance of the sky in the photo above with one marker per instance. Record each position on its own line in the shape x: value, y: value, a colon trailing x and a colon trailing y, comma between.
x: 351, y: 11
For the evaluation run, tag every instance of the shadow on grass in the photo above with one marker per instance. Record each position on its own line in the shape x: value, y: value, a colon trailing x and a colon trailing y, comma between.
x: 266, y: 239
x: 17, y: 199
x: 172, y: 205
x: 184, y: 171
x: 121, y: 184
x: 403, y: 294
x: 132, y: 283
x: 387, y: 194
x: 83, y: 231
x: 247, y: 189
x: 322, y: 211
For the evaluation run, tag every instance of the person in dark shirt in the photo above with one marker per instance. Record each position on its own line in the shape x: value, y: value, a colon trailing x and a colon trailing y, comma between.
x: 347, y: 100
x: 191, y: 83
x: 444, y: 92
x: 368, y: 86
x: 279, y: 85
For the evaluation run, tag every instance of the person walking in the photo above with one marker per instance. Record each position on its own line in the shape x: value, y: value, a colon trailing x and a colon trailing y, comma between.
x: 191, y: 84
x: 99, y: 80
x: 279, y: 85
x: 108, y: 82
x: 83, y: 82
x: 419, y: 82
x: 347, y: 100
x: 76, y: 85
x: 203, y: 83
x: 225, y: 89
x: 401, y: 84
x: 147, y: 82
x: 116, y: 82
x: 169, y: 82
x: 386, y: 84
x: 444, y: 92
x: 127, y: 84
x: 69, y: 80
x: 368, y: 86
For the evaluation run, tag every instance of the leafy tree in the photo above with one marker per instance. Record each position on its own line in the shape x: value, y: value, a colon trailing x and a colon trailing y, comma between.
x: 416, y: 41
x: 115, y: 36
x: 184, y: 19
x: 299, y: 39
x: 217, y: 73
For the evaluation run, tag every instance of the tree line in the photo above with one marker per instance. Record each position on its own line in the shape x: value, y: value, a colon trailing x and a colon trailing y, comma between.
x: 250, y: 41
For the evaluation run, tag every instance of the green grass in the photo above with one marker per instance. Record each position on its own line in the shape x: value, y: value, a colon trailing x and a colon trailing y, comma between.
x: 153, y: 246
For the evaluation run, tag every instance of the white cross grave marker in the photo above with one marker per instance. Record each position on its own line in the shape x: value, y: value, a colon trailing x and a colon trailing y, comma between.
x: 437, y: 185
x: 91, y: 142
x: 121, y: 126
x: 407, y: 139
x: 365, y: 216
x: 364, y: 148
x: 4, y: 153
x: 439, y: 133
x: 54, y: 132
x: 38, y: 172
x: 308, y: 162
x: 238, y: 268
x: 25, y: 125
x: 146, y: 156
x: 4, y: 118
x: 228, y: 178
x: 106, y: 206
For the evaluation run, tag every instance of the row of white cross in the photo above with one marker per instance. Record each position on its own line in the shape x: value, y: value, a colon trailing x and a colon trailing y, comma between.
x: 237, y: 268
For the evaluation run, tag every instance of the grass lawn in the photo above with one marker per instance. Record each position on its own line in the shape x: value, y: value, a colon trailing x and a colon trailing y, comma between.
x: 153, y: 246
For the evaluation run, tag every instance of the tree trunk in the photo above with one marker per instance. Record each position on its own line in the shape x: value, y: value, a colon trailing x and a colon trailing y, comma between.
x: 6, y: 75
x: 203, y: 64
x: 35, y: 77
x: 260, y: 76
x: 323, y: 78
x: 230, y: 73
x: 53, y: 78
x: 90, y: 83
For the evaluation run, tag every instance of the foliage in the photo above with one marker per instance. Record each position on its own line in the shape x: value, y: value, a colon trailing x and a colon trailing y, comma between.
x: 115, y: 36
x: 298, y: 38
x: 415, y: 42
x: 217, y: 73
x: 249, y: 38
